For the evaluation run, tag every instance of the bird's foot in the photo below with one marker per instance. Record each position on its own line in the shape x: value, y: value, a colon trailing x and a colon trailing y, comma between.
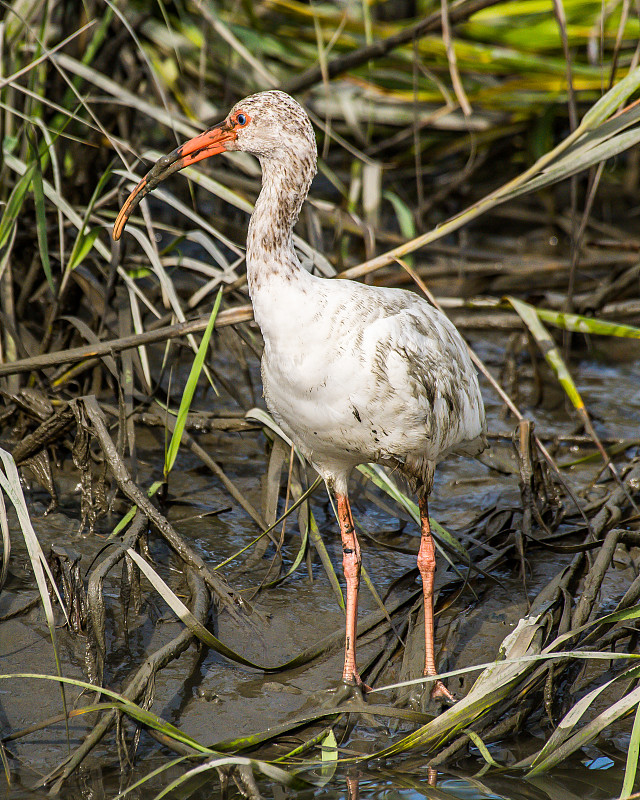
x: 346, y: 691
x: 354, y: 680
x: 353, y: 685
x: 429, y: 698
x: 439, y: 692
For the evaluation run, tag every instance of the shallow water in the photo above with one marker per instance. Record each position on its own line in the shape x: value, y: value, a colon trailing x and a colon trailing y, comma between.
x: 220, y: 700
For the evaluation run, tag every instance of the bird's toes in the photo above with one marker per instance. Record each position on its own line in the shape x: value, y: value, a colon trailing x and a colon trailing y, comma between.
x: 429, y: 698
x: 344, y: 692
x: 356, y: 688
x: 442, y: 695
x: 360, y: 684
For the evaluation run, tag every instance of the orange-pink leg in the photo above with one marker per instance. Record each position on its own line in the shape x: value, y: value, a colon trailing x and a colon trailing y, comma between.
x: 351, y: 561
x: 427, y: 567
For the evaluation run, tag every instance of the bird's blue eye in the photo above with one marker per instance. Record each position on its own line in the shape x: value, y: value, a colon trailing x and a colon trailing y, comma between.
x: 241, y: 119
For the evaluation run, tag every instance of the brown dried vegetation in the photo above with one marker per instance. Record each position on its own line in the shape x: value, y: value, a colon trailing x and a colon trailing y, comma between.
x: 417, y: 123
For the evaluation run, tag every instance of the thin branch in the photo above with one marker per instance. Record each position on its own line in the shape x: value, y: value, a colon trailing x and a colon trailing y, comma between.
x: 459, y: 11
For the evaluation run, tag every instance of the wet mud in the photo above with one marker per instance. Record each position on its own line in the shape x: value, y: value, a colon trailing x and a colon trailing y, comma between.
x: 212, y: 699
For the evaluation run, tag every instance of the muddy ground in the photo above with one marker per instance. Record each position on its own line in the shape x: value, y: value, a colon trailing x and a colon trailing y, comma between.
x: 213, y: 699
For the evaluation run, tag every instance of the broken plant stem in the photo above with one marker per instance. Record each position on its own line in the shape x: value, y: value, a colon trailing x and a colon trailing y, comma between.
x: 133, y: 492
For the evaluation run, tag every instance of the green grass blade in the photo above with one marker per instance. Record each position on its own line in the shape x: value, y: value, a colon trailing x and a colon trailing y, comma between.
x: 329, y: 749
x: 314, y: 533
x: 14, y: 204
x: 86, y: 238
x: 325, y: 559
x: 582, y: 655
x: 528, y: 314
x: 580, y: 324
x: 611, y: 101
x: 296, y: 561
x: 588, y: 732
x: 138, y: 327
x: 632, y: 758
x: 271, y: 771
x: 616, y: 616
x: 128, y: 517
x: 299, y: 501
x: 482, y: 747
x: 579, y: 159
x: 81, y: 247
x: 551, y: 353
x: 124, y: 704
x: 189, y: 390
x: 574, y: 715
x: 41, y: 223
x: 404, y: 216
x: 183, y: 613
x: 151, y: 775
x: 10, y: 482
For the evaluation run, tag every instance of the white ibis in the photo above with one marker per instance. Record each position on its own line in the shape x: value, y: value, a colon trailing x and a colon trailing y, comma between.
x: 352, y: 373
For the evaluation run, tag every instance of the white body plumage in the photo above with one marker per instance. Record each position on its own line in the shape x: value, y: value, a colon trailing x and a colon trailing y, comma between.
x: 353, y: 373
x: 357, y: 374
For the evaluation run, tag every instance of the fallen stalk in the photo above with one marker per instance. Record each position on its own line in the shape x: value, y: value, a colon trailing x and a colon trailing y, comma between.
x: 89, y: 405
x: 230, y: 316
x: 137, y: 685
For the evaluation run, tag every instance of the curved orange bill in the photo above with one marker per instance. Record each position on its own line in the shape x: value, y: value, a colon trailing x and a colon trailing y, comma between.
x: 210, y: 143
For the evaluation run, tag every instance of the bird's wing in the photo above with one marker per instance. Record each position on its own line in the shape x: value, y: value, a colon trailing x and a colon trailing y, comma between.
x: 418, y: 356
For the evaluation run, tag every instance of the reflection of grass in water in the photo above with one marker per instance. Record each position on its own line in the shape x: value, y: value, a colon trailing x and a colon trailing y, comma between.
x: 112, y: 87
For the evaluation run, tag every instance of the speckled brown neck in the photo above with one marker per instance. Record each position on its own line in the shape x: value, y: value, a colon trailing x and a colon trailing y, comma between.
x: 286, y: 178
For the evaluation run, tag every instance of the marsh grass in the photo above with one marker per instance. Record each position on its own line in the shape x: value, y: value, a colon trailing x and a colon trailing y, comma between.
x: 413, y: 116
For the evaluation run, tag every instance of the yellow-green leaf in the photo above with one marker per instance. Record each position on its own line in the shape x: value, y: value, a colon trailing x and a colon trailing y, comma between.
x: 189, y: 390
